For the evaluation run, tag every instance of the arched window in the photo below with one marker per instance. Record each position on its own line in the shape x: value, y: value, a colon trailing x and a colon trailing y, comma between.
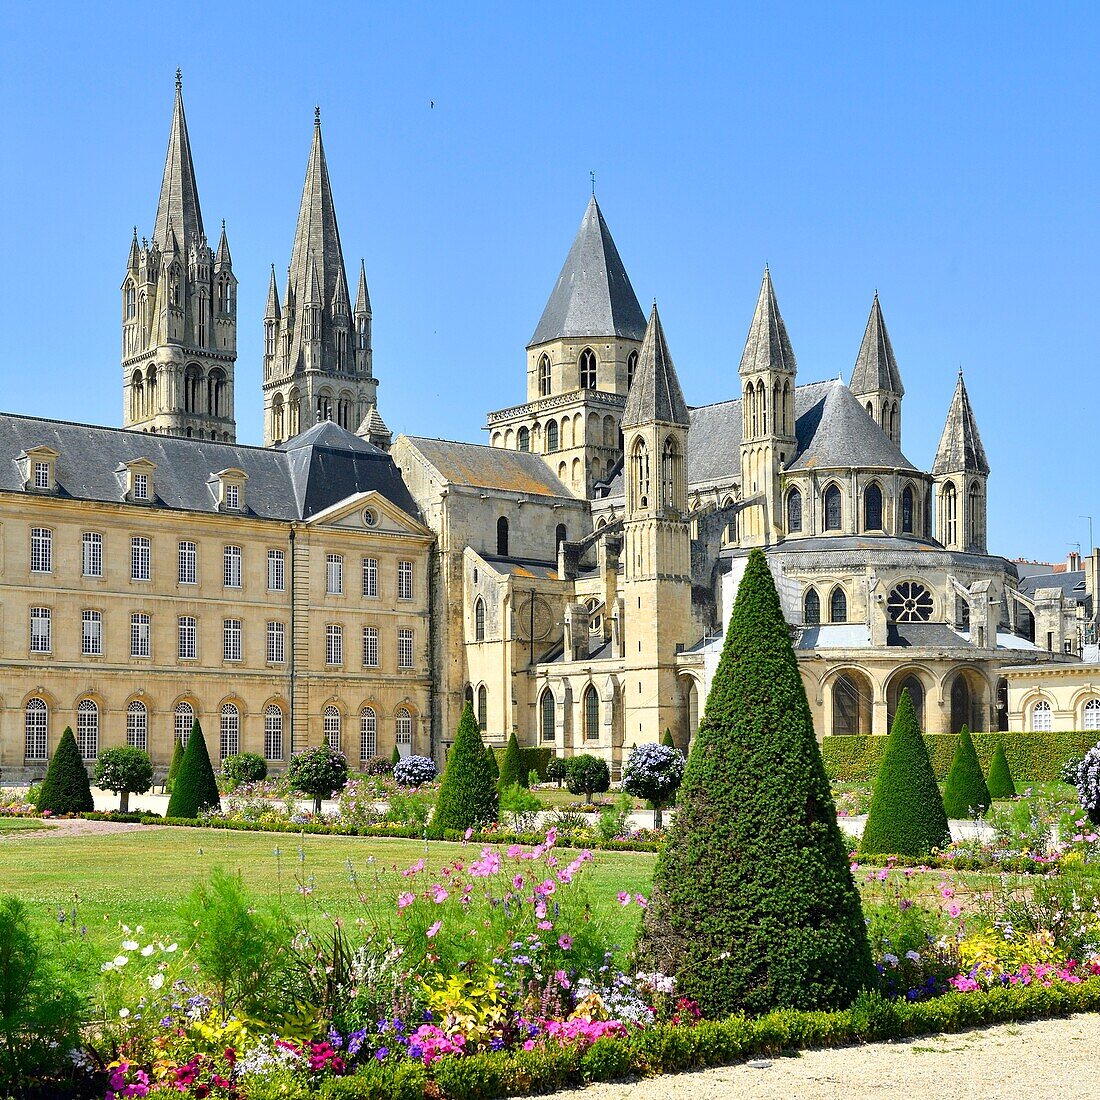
x: 588, y: 369
x: 591, y: 714
x: 544, y: 376
x: 870, y: 410
x: 559, y: 537
x: 894, y: 418
x: 811, y: 608
x: 949, y: 502
x: 639, y: 461
x: 185, y: 722
x: 762, y: 402
x: 368, y: 733
x: 35, y: 725
x: 913, y: 685
x: 907, y: 510
x: 216, y: 392
x: 962, y: 706
x: 294, y: 413
x: 324, y: 407
x: 631, y: 368
x: 403, y: 732
x: 137, y: 726
x: 131, y: 301
x: 87, y: 729
x: 1090, y: 719
x: 551, y: 437
x: 230, y: 730
x: 794, y: 511
x: 332, y: 728
x: 523, y: 439
x: 278, y: 422
x: 479, y: 620
x: 671, y: 476
x: 974, y: 516
x: 787, y: 429
x: 838, y: 606
x: 482, y: 707
x: 546, y: 711
x: 502, y: 536
x: 273, y: 732
x: 137, y: 396
x: 851, y: 704
x: 192, y: 389
x: 872, y: 508
x: 1041, y: 718
x: 832, y: 508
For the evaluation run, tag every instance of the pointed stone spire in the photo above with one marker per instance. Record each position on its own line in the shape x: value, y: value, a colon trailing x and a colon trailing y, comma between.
x: 341, y: 304
x: 312, y: 295
x: 362, y: 298
x: 272, y: 312
x: 374, y: 430
x: 768, y: 347
x: 876, y: 369
x: 179, y: 196
x: 223, y: 258
x: 655, y: 394
x: 171, y: 243
x: 960, y: 449
x: 133, y: 261
x: 593, y: 295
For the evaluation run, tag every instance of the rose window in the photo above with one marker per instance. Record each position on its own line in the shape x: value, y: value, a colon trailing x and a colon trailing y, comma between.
x: 909, y: 602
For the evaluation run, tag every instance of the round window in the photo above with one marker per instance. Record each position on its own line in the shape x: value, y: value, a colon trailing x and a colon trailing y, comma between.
x: 910, y: 602
x: 370, y: 517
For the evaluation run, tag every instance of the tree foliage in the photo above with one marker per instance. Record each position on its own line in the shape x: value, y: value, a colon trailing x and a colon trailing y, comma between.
x: 667, y: 740
x: 174, y: 766
x: 587, y: 774
x: 124, y: 770
x: 468, y: 795
x: 494, y: 767
x: 66, y: 789
x: 654, y: 772
x: 556, y: 770
x: 753, y: 904
x: 244, y: 767
x: 512, y: 768
x: 414, y: 771
x: 195, y: 788
x: 318, y: 772
x: 907, y: 815
x: 965, y: 793
x: 1000, y: 783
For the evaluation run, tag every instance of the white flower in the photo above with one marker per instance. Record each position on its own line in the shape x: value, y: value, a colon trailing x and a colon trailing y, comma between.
x: 171, y: 947
x: 123, y: 1013
x: 121, y: 960
x: 148, y: 949
x: 107, y: 966
x: 156, y: 980
x: 129, y: 945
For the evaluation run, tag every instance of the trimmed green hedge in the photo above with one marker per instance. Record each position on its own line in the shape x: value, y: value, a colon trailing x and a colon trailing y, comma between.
x: 533, y: 760
x: 1032, y: 757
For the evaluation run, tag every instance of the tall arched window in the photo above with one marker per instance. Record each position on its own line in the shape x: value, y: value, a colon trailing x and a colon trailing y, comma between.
x: 872, y: 508
x: 403, y: 732
x: 787, y: 416
x: 230, y: 730
x: 974, y: 516
x: 482, y: 707
x: 35, y: 726
x: 838, y: 606
x: 949, y: 502
x: 907, y: 510
x: 479, y: 620
x: 185, y: 722
x: 591, y: 714
x: 544, y: 376
x: 216, y: 392
x: 546, y: 713
x: 131, y: 301
x: 639, y: 462
x: 273, y: 732
x: 502, y: 536
x: 368, y: 733
x: 1090, y: 718
x: 559, y: 537
x: 671, y: 475
x: 832, y: 508
x: 192, y: 389
x: 811, y: 608
x: 137, y: 726
x: 332, y: 728
x: 794, y: 511
x: 87, y: 729
x: 551, y: 437
x: 523, y: 439
x: 894, y: 419
x: 762, y: 404
x: 631, y: 368
x: 278, y: 422
x: 1041, y: 718
x: 588, y: 369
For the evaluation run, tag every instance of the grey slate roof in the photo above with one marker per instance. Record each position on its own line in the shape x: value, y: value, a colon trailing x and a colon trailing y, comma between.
x: 655, y: 394
x: 767, y: 347
x: 179, y: 195
x: 314, y: 471
x: 876, y: 368
x: 960, y: 449
x: 490, y: 467
x: 1072, y: 584
x: 593, y: 295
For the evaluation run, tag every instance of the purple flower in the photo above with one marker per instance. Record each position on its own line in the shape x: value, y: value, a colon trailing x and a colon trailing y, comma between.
x: 381, y: 1053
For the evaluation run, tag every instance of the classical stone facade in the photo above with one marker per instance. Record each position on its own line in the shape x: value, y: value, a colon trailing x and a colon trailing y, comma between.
x: 1057, y: 697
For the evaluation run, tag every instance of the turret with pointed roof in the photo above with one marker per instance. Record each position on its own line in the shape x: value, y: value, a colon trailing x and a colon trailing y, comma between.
x: 876, y: 380
x: 960, y: 472
x: 179, y: 311
x: 317, y: 354
x: 655, y: 395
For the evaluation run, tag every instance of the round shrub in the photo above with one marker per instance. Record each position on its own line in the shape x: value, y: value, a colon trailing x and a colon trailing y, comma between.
x: 588, y: 775
x: 414, y: 771
x: 556, y: 770
x: 378, y: 765
x: 1088, y: 784
x: 654, y: 772
x: 195, y: 787
x: 965, y: 793
x: 122, y: 770
x: 66, y: 790
x: 468, y: 794
x: 1000, y: 782
x: 512, y: 769
x: 244, y: 767
x: 318, y: 772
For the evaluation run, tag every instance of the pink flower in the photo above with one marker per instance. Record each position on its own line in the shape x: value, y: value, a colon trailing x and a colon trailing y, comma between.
x: 953, y: 910
x: 545, y: 925
x: 641, y: 901
x: 515, y: 851
x: 439, y: 895
x: 561, y: 978
x: 565, y: 876
x: 881, y: 876
x: 517, y: 882
x: 565, y: 942
x: 415, y: 869
x: 946, y: 891
x: 624, y: 898
x: 469, y: 833
x: 404, y: 900
x: 551, y: 837
x: 546, y: 888
x: 434, y: 928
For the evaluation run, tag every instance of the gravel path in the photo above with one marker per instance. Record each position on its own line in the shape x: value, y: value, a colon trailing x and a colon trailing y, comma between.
x: 1045, y: 1060
x: 73, y: 826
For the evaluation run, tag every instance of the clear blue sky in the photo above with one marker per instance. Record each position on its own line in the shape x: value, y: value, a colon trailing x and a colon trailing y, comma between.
x: 944, y: 153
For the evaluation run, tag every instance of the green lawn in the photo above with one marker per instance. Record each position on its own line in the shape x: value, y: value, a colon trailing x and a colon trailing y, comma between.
x: 22, y: 825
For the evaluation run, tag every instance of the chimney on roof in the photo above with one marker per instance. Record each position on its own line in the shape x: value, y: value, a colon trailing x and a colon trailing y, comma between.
x: 1073, y: 563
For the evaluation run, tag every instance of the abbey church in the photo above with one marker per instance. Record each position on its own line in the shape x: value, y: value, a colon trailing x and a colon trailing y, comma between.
x: 570, y: 579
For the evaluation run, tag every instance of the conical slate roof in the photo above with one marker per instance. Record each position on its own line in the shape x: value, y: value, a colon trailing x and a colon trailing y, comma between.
x: 179, y: 195
x: 362, y: 298
x: 272, y: 310
x: 768, y: 346
x: 593, y: 295
x: 876, y: 368
x: 655, y: 394
x: 223, y: 256
x: 372, y: 422
x: 960, y: 449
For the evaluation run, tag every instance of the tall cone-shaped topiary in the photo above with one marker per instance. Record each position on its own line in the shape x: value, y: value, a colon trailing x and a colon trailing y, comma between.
x: 999, y: 783
x: 395, y: 757
x: 195, y: 787
x: 494, y: 767
x: 965, y: 793
x: 906, y: 815
x: 667, y: 739
x: 512, y: 768
x: 66, y: 789
x: 468, y: 794
x: 753, y: 904
x: 174, y: 767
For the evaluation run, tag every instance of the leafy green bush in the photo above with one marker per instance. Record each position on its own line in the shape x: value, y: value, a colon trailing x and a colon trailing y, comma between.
x: 654, y: 772
x: 753, y: 903
x: 174, y: 766
x: 195, y: 787
x: 318, y: 772
x: 587, y: 774
x: 512, y: 768
x: 1000, y: 783
x: 124, y: 769
x: 66, y: 790
x: 556, y: 770
x: 378, y: 765
x: 410, y: 806
x: 468, y: 794
x: 244, y: 767
x: 520, y: 808
x: 906, y: 815
x: 966, y: 793
x: 377, y: 1081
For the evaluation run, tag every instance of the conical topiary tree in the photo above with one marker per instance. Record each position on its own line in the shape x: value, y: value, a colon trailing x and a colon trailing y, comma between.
x: 468, y: 794
x: 965, y: 793
x: 66, y: 789
x: 667, y: 739
x: 512, y: 769
x: 999, y: 783
x: 195, y: 787
x: 753, y: 904
x: 494, y: 767
x: 173, y: 767
x: 906, y: 815
x: 395, y: 757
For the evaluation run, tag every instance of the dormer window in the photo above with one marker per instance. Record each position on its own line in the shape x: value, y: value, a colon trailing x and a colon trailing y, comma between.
x: 42, y: 478
x: 230, y: 490
x: 141, y: 486
x: 233, y: 496
x: 138, y: 480
x: 39, y: 469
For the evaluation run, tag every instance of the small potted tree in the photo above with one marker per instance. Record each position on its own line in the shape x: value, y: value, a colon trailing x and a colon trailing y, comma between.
x: 654, y: 772
x: 124, y: 770
x: 318, y: 772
